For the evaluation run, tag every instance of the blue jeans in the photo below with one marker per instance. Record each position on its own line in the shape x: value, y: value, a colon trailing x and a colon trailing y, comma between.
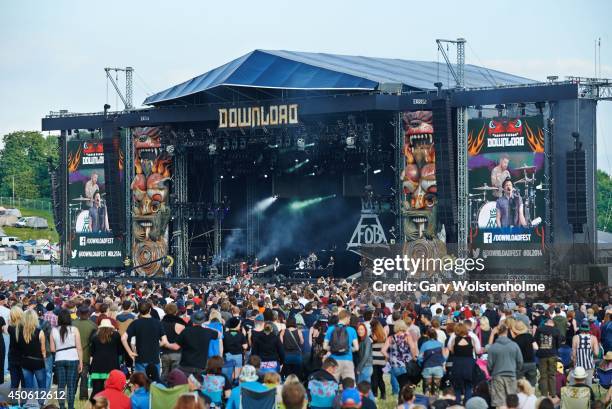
x: 142, y: 367
x: 228, y: 370
x: 49, y: 369
x: 395, y: 372
x: 465, y: 389
x: 365, y: 374
x: 34, y: 379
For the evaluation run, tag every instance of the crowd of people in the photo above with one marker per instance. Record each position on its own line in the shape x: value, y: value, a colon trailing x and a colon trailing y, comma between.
x: 325, y: 344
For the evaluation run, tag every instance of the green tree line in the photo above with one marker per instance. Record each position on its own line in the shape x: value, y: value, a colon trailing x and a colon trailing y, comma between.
x: 604, y: 201
x: 24, y: 159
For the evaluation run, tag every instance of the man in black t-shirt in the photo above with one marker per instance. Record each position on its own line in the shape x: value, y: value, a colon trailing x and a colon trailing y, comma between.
x: 148, y: 332
x: 194, y: 343
x: 548, y: 339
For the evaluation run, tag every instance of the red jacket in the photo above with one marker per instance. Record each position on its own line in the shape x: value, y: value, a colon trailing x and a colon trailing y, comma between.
x: 113, y: 391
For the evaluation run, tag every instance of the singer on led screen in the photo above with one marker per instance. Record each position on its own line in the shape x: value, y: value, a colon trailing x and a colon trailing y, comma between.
x: 510, y: 207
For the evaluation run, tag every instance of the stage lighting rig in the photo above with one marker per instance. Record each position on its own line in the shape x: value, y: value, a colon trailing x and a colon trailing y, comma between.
x: 350, y: 142
x: 212, y: 149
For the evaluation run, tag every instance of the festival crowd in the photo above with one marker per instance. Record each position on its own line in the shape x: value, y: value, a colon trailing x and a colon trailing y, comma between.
x: 326, y: 344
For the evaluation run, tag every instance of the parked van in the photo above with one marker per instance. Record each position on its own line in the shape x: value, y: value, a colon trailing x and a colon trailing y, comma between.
x: 8, y: 240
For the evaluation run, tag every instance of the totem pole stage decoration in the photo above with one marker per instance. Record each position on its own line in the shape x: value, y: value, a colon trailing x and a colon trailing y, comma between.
x: 150, y: 189
x: 423, y: 236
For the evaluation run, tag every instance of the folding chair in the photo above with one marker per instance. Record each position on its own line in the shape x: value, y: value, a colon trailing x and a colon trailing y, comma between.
x: 250, y: 399
x: 164, y: 398
x: 575, y: 398
x: 604, y: 381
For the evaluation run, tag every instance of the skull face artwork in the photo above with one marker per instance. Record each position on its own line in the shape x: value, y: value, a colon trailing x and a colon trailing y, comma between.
x: 419, y: 176
x: 150, y: 191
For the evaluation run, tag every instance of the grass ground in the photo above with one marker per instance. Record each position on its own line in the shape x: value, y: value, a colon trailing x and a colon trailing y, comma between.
x: 34, y: 234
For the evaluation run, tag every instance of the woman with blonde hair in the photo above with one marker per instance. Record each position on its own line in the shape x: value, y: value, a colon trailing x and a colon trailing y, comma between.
x: 15, y: 317
x: 215, y: 322
x: 483, y: 331
x: 32, y: 352
x: 526, y: 394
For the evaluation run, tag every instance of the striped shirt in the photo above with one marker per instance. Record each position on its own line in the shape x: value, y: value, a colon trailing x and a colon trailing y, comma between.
x: 584, y: 352
x: 377, y: 356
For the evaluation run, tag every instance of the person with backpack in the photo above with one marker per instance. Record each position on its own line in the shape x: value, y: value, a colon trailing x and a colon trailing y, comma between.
x: 402, y: 350
x: 317, y: 339
x: 293, y: 342
x: 341, y: 341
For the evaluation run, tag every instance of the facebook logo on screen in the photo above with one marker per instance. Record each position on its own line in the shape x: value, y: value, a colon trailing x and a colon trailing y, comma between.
x: 488, y: 238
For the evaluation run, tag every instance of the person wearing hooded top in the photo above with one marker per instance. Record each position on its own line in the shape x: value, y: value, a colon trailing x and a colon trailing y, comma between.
x: 504, y: 361
x: 113, y: 391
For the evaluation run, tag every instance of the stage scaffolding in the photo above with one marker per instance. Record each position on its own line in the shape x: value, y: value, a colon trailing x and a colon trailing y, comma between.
x: 252, y: 217
x: 179, y: 239
x: 128, y: 166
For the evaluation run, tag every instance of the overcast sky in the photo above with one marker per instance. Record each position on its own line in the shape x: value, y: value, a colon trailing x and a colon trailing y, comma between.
x: 52, y: 53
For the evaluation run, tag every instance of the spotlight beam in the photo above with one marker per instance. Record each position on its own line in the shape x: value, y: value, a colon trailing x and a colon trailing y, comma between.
x: 302, y: 204
x: 263, y: 204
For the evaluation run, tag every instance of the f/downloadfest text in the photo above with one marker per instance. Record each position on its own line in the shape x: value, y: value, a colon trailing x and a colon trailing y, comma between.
x: 458, y: 266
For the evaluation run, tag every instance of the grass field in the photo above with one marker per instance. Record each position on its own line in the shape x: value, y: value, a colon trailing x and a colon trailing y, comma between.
x: 34, y: 234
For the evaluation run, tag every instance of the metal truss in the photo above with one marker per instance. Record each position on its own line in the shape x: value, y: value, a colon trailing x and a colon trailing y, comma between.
x: 599, y: 89
x: 128, y: 169
x: 399, y: 167
x: 251, y: 243
x: 181, y: 228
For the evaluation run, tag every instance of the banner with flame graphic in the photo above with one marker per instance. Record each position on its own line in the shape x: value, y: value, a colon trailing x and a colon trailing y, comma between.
x: 91, y: 244
x: 507, y: 191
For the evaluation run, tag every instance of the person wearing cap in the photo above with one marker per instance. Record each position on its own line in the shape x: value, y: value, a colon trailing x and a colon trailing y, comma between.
x: 548, y: 339
x: 248, y: 380
x: 105, y: 352
x: 350, y: 398
x: 194, y: 342
x: 584, y: 348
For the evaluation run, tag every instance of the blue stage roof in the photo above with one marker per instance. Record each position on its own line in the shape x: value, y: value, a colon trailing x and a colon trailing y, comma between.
x: 320, y: 72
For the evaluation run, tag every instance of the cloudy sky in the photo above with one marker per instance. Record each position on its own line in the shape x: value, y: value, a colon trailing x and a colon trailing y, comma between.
x: 52, y: 53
